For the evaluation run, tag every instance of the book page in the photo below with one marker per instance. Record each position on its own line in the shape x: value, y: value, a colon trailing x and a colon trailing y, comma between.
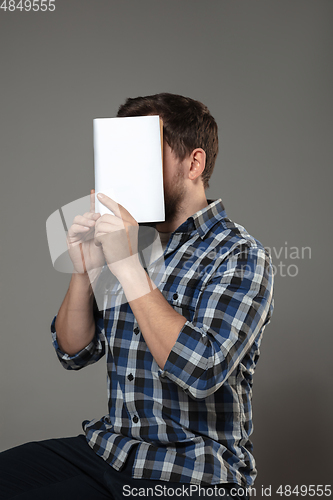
x: 128, y: 165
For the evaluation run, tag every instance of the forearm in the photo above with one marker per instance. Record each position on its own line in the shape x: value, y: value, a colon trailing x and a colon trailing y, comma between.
x: 75, y: 325
x: 159, y: 323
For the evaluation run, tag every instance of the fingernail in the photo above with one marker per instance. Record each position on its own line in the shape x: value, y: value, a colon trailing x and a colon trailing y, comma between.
x: 100, y: 195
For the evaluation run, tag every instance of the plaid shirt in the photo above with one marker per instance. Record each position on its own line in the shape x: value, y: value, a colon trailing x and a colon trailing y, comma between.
x: 192, y: 420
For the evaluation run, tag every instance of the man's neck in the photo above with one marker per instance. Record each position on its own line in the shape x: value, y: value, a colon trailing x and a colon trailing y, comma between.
x: 187, y: 209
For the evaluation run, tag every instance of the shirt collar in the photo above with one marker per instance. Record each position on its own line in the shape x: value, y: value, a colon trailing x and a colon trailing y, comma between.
x: 205, y: 219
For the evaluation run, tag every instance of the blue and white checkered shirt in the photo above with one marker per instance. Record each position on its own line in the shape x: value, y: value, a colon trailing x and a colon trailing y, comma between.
x: 192, y: 420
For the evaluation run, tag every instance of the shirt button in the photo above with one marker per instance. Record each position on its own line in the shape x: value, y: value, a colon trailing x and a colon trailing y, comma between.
x: 135, y: 419
x: 136, y: 330
x: 175, y: 296
x: 130, y: 377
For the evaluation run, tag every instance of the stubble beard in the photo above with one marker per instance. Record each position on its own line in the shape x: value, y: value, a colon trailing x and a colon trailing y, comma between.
x: 173, y: 199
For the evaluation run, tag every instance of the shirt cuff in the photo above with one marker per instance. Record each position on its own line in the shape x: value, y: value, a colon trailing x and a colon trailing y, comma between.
x: 188, y: 361
x: 88, y: 355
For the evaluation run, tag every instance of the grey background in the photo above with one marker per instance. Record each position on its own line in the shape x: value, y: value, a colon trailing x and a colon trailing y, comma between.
x: 264, y: 69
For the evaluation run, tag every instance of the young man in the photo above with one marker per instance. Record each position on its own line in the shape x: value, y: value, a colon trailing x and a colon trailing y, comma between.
x: 181, y: 333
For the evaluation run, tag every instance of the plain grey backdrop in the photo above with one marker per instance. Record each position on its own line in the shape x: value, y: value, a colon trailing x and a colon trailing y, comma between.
x: 264, y: 69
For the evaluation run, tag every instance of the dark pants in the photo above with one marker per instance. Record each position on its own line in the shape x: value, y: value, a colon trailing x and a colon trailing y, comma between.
x: 68, y: 468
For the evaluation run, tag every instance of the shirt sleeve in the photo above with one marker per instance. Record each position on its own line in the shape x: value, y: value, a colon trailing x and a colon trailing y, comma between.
x: 232, y: 310
x: 88, y: 355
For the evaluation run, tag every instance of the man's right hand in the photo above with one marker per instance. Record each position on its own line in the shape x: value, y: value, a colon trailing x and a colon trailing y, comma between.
x: 83, y: 252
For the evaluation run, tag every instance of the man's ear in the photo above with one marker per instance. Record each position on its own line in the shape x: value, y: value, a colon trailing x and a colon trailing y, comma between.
x: 198, y: 162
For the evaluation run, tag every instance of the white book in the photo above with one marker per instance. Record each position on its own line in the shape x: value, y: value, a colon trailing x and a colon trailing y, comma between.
x: 128, y: 165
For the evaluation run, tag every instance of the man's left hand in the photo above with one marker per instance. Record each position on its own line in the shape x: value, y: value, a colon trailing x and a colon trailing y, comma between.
x: 118, y: 236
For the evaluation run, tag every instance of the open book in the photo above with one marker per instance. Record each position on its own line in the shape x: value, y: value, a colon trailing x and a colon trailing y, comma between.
x: 128, y: 156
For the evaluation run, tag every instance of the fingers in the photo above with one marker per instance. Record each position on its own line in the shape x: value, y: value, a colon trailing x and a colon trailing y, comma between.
x: 77, y: 229
x: 106, y: 227
x: 118, y: 241
x: 111, y: 204
x: 88, y: 219
x: 103, y: 226
x: 116, y: 208
x: 83, y: 223
x: 92, y: 200
x: 110, y: 219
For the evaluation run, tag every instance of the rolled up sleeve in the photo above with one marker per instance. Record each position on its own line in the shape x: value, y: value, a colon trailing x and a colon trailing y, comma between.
x: 88, y: 355
x: 232, y: 310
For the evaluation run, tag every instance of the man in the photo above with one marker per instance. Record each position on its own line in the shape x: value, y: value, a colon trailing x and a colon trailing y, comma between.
x: 181, y: 332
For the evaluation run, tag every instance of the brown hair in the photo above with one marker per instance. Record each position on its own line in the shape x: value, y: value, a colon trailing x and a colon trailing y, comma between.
x: 187, y: 124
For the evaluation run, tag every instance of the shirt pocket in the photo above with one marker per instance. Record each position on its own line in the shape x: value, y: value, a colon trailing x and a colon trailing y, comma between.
x: 180, y: 297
